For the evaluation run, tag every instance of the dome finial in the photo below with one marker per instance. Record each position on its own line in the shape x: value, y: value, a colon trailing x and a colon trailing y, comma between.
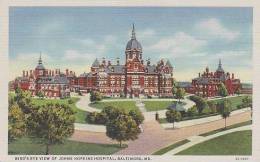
x: 133, y: 32
x: 40, y: 59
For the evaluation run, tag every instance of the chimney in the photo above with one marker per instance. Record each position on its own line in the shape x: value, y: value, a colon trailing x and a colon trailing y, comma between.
x: 23, y: 73
x: 27, y: 73
x: 56, y: 71
x: 30, y: 72
x: 233, y: 77
x: 108, y: 63
x: 67, y: 72
x: 70, y: 72
x: 199, y: 74
x: 52, y: 73
x: 117, y: 61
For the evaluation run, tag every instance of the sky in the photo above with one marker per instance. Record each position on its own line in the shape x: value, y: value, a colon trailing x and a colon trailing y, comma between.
x: 191, y: 38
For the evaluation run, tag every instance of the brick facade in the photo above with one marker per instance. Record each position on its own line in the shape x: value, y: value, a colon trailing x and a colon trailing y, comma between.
x: 207, y: 83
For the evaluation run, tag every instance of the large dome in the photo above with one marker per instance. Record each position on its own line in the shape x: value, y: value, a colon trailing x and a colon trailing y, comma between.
x: 133, y: 43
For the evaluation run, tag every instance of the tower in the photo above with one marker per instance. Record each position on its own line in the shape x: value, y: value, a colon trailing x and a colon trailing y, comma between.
x: 133, y: 48
x: 220, y: 71
x: 40, y: 70
x: 134, y: 72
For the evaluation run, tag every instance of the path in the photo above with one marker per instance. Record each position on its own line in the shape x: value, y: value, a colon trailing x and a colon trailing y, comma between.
x: 90, y: 127
x: 83, y: 104
x: 198, y: 139
x: 155, y: 137
x: 219, y: 98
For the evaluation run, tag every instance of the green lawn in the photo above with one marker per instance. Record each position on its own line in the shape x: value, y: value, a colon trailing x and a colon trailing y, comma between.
x: 127, y: 105
x: 236, y: 143
x: 157, y: 105
x: 235, y: 101
x: 228, y: 127
x: 27, y: 146
x: 171, y: 147
x: 80, y: 114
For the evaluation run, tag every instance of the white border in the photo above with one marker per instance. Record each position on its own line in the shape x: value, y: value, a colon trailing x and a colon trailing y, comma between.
x: 4, y: 5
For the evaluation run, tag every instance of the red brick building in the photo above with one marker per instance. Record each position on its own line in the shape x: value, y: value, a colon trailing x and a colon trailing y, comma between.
x: 49, y: 82
x: 134, y: 78
x: 207, y: 83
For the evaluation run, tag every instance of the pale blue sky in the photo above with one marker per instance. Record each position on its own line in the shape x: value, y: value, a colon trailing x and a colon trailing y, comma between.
x: 191, y: 38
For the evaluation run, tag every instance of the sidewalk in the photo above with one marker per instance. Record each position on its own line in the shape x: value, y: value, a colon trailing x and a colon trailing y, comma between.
x: 90, y: 127
x: 219, y: 98
x: 198, y: 139
x: 201, y: 120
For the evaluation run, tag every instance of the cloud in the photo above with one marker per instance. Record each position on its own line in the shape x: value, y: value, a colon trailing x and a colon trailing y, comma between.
x: 214, y: 28
x: 230, y: 54
x: 74, y: 55
x: 180, y: 45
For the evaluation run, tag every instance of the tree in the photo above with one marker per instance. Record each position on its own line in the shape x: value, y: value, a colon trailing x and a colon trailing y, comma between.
x: 112, y: 112
x: 16, y: 122
x: 222, y: 90
x: 24, y: 100
x: 52, y: 123
x: 137, y: 116
x: 192, y: 111
x: 174, y: 87
x: 180, y: 93
x: 172, y: 116
x: 225, y: 110
x: 95, y: 96
x: 123, y: 128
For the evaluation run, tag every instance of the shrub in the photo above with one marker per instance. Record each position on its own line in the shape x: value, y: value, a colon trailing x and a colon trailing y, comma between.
x: 91, y: 117
x: 70, y: 101
x: 213, y: 106
x: 95, y: 96
x: 200, y: 103
x: 192, y: 111
x: 96, y: 118
x: 206, y: 111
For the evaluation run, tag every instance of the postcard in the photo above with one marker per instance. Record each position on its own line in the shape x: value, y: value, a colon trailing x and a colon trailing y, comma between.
x: 129, y: 82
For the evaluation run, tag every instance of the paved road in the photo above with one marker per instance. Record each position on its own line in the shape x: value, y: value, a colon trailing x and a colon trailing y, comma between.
x: 198, y: 139
x: 91, y: 137
x: 155, y: 137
